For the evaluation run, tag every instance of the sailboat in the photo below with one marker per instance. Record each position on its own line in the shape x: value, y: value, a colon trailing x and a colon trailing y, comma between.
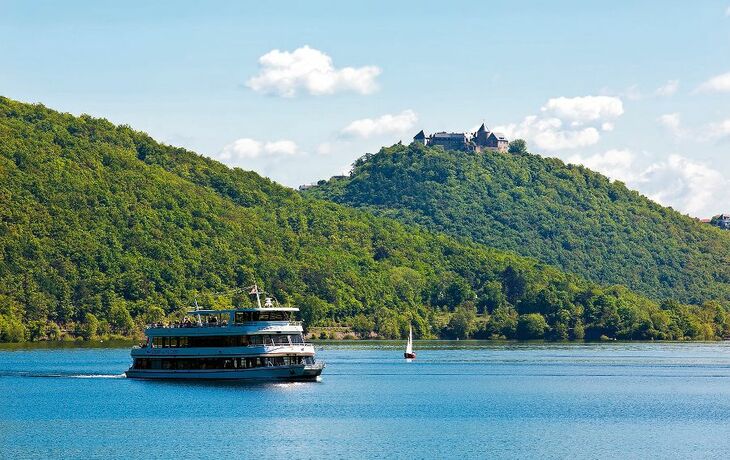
x: 409, y: 354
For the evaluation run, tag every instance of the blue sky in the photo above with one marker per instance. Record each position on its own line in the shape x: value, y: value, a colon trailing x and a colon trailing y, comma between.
x: 637, y: 90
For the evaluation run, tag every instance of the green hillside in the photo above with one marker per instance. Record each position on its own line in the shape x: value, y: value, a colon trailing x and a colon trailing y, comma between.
x: 102, y: 229
x: 564, y: 215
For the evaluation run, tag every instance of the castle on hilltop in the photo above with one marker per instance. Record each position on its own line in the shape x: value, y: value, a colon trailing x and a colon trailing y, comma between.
x: 483, y: 139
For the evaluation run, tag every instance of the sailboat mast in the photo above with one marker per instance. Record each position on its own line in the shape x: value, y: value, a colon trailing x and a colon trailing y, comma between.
x: 409, y: 344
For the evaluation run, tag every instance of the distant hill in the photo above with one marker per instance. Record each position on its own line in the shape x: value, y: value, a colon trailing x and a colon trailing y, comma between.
x: 564, y: 215
x: 103, y: 229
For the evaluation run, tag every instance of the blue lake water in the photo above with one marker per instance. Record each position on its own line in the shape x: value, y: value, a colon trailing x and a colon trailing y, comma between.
x: 457, y: 400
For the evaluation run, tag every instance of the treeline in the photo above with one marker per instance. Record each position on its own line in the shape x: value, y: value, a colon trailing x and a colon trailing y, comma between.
x: 563, y: 215
x: 103, y: 230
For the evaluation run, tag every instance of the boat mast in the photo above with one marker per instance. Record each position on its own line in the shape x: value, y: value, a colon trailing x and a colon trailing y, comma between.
x: 197, y: 307
x: 409, y: 344
x: 258, y: 296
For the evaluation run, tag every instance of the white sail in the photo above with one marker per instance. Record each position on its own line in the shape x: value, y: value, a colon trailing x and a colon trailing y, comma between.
x: 409, y: 344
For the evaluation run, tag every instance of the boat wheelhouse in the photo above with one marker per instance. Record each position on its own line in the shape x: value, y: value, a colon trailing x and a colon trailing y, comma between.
x: 257, y: 343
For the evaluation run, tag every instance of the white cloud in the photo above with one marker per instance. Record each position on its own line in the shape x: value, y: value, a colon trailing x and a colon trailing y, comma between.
x: 384, y: 124
x: 716, y: 84
x: 668, y: 89
x: 558, y: 140
x: 584, y: 116
x: 718, y: 130
x: 585, y: 108
x: 676, y: 181
x: 325, y: 148
x: 241, y: 148
x: 616, y: 164
x: 634, y: 93
x: 285, y: 73
x: 683, y: 184
x: 282, y: 147
x: 710, y: 132
x: 246, y: 148
x: 670, y: 120
x: 549, y: 134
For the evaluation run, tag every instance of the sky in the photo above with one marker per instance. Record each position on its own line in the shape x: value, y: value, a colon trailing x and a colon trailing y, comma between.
x: 637, y: 90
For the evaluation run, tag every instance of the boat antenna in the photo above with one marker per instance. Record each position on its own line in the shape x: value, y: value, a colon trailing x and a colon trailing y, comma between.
x: 255, y: 290
x: 197, y: 308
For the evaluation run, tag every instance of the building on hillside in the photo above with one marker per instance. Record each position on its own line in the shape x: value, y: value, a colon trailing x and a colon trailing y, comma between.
x: 722, y: 221
x: 450, y: 141
x: 483, y: 139
x: 420, y: 138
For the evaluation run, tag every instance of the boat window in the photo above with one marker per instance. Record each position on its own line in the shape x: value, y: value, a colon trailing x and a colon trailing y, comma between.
x: 219, y: 363
x: 273, y: 316
x: 244, y: 316
x: 226, y: 341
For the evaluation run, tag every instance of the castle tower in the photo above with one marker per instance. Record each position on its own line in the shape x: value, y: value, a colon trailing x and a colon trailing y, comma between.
x: 420, y: 138
x: 480, y: 137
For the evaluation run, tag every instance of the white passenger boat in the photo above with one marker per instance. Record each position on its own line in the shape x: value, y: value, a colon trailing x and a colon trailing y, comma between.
x: 258, y: 343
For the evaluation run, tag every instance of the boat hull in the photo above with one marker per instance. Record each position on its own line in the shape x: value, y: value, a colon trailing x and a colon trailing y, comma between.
x: 275, y: 373
x: 409, y: 355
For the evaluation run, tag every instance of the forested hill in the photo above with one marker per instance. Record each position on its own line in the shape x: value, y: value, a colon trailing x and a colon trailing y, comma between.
x: 102, y: 230
x: 564, y: 215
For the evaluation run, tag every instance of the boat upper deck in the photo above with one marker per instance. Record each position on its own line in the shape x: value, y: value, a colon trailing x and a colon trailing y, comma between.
x: 242, y: 310
x: 231, y: 321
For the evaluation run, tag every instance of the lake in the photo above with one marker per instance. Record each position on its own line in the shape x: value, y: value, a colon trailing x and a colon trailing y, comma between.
x: 457, y: 400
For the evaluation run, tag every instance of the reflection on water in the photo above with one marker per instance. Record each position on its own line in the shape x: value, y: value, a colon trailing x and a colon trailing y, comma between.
x: 456, y: 400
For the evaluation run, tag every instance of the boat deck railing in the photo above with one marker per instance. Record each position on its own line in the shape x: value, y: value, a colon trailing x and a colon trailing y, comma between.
x: 190, y: 325
x: 270, y: 344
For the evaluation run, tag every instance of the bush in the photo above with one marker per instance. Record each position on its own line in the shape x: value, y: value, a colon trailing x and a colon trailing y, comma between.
x: 503, y: 322
x: 12, y: 330
x: 119, y: 318
x: 531, y: 326
x: 89, y: 328
x: 463, y: 322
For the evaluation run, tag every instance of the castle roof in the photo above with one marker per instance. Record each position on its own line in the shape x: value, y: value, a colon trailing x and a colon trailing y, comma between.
x: 444, y: 134
x: 420, y: 135
x: 483, y: 129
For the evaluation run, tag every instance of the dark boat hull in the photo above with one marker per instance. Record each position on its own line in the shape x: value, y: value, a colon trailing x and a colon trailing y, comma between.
x: 289, y: 373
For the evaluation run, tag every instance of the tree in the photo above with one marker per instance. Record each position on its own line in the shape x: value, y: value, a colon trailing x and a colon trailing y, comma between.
x: 362, y: 325
x: 119, y: 318
x: 531, y: 326
x: 463, y: 322
x: 12, y: 330
x: 503, y: 322
x: 89, y: 327
x: 491, y: 297
x: 517, y: 146
x: 515, y: 283
x: 154, y: 314
x: 159, y: 225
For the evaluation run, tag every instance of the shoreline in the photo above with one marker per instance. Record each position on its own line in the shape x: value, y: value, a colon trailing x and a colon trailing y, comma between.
x: 389, y: 343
